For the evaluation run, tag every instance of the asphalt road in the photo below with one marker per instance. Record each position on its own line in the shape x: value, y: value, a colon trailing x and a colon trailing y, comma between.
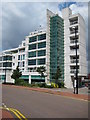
x: 34, y: 104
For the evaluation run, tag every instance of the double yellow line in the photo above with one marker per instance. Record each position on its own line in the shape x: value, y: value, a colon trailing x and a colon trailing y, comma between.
x: 17, y: 113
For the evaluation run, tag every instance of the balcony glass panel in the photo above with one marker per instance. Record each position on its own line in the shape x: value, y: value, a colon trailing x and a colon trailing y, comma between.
x: 32, y: 54
x: 42, y: 45
x: 42, y: 53
x: 7, y: 58
x: 7, y: 64
x: 32, y: 39
x: 31, y: 62
x: 41, y: 61
x: 42, y: 37
x: 33, y: 46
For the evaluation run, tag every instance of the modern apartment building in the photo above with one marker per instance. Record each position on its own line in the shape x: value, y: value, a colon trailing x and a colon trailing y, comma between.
x: 52, y: 48
x: 70, y: 21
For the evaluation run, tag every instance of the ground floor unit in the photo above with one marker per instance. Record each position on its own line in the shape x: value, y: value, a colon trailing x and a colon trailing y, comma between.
x: 34, y: 77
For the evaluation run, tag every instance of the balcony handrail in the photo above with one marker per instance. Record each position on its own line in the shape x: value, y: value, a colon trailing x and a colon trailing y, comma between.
x: 74, y: 61
x: 73, y: 32
x: 74, y: 22
x: 73, y: 71
x: 74, y: 41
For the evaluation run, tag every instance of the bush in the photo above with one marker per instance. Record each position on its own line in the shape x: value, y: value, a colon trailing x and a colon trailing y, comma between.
x: 21, y: 82
x: 41, y: 84
x: 54, y: 85
x: 61, y: 84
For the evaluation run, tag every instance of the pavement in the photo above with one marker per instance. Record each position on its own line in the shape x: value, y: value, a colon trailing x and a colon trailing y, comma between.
x: 6, y: 114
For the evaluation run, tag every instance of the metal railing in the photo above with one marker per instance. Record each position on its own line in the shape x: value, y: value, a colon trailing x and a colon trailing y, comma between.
x: 74, y: 41
x: 73, y: 71
x: 74, y: 22
x: 74, y: 61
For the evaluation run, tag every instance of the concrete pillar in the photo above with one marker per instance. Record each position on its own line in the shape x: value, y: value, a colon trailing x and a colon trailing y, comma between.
x: 29, y: 79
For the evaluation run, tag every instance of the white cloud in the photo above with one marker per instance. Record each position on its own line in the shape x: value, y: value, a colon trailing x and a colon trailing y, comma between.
x: 11, y: 8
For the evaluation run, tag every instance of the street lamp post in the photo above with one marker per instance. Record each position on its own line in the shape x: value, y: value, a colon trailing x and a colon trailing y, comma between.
x: 76, y: 60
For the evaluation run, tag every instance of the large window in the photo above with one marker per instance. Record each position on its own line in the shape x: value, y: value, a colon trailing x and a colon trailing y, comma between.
x: 42, y: 53
x: 32, y: 54
x: 41, y: 61
x: 7, y: 58
x: 33, y: 46
x: 8, y: 64
x: 42, y: 45
x: 32, y: 39
x: 31, y: 62
x: 42, y: 37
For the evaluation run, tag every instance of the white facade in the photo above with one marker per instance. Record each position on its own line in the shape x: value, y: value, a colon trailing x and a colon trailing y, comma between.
x: 20, y: 57
x: 23, y: 56
x: 70, y: 21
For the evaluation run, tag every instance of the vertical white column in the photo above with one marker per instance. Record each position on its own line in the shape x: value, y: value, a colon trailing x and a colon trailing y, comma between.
x: 29, y: 79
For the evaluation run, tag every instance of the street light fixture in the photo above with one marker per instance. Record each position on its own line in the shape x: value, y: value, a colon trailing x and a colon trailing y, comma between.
x: 75, y: 29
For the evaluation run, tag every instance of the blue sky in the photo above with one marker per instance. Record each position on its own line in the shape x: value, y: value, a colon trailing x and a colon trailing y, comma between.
x: 21, y: 18
x: 63, y: 5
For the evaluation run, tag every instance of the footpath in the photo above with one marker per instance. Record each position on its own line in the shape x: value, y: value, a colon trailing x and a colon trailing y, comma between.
x: 6, y: 115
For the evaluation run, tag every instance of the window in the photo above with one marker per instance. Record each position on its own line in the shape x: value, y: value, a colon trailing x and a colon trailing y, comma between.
x: 42, y: 53
x: 7, y: 64
x: 42, y: 45
x: 0, y: 64
x: 23, y: 63
x: 33, y: 46
x: 31, y: 62
x: 0, y: 58
x: 18, y: 57
x: 32, y: 54
x: 42, y: 37
x: 41, y: 61
x: 32, y: 39
x: 7, y: 58
x: 23, y: 57
x: 23, y: 44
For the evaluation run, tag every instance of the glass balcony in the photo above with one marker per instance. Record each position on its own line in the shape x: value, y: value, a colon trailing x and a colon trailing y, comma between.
x: 74, y: 61
x: 73, y: 71
x: 73, y: 32
x: 74, y: 41
x: 74, y: 22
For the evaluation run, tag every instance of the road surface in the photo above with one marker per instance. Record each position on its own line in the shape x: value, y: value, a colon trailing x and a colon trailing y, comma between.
x: 33, y: 104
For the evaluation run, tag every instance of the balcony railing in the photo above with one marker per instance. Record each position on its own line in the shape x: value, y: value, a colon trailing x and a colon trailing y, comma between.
x: 73, y: 71
x: 74, y: 61
x: 74, y: 41
x: 74, y: 22
x: 73, y: 32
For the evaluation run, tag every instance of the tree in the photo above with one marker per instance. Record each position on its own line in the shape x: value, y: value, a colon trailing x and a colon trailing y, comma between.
x: 41, y: 70
x: 16, y: 74
x: 58, y: 74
